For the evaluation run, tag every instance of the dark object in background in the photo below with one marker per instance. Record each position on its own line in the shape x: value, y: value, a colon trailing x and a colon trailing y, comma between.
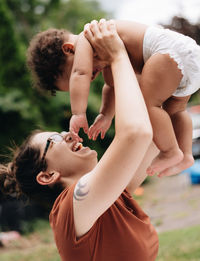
x: 194, y: 170
x: 15, y: 215
x: 196, y: 148
x: 183, y: 26
x: 194, y: 112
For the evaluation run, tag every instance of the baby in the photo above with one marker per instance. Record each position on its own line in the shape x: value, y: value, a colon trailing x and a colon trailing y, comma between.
x: 168, y: 67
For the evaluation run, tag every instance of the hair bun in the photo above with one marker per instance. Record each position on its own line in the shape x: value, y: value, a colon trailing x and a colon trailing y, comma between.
x: 7, y: 179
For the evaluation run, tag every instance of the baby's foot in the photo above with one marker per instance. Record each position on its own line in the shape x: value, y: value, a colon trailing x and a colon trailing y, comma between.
x: 187, y: 162
x: 165, y: 160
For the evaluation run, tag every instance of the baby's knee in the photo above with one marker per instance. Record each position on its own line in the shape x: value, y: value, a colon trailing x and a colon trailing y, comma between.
x: 175, y: 105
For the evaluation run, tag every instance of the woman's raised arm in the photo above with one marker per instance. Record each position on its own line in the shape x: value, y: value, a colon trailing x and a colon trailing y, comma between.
x: 133, y: 131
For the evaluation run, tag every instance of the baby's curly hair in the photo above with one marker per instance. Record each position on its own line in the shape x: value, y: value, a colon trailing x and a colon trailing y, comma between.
x: 45, y: 58
x: 19, y: 176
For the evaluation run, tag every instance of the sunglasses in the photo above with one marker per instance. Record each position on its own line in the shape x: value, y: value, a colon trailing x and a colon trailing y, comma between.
x: 55, y: 138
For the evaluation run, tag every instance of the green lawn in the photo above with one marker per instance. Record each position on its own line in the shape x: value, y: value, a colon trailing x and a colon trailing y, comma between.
x: 180, y: 245
x: 36, y: 246
x: 177, y: 245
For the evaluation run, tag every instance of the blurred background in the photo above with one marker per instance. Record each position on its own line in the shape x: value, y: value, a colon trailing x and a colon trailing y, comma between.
x: 23, y: 109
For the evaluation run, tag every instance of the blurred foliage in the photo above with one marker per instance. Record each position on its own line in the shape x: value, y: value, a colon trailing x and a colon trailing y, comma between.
x: 22, y: 108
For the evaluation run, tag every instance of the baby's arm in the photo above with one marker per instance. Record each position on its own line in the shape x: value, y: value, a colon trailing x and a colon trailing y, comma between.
x: 104, y: 119
x: 80, y: 84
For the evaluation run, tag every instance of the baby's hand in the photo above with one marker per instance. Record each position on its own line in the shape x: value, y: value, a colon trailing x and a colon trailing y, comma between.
x: 78, y: 121
x: 101, y: 125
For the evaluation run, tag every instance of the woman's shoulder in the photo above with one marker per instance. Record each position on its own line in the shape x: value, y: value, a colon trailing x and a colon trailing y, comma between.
x: 64, y: 200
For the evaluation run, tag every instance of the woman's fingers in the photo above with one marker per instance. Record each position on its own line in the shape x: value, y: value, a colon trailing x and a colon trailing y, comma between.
x: 88, y: 33
x: 102, y: 20
x: 93, y: 30
x: 94, y: 27
x: 86, y: 27
x: 111, y: 24
x: 105, y: 39
x: 102, y: 25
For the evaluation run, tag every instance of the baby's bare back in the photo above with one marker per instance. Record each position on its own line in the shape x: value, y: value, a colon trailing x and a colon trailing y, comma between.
x: 132, y: 34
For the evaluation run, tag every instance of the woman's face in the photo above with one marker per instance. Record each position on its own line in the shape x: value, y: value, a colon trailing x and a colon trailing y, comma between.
x: 66, y: 155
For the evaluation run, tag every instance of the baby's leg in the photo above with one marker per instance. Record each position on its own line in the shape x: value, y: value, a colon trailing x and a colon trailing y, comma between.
x: 182, y: 124
x: 160, y: 78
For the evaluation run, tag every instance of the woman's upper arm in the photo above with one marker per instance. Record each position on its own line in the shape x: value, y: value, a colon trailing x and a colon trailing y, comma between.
x: 140, y: 173
x: 97, y: 191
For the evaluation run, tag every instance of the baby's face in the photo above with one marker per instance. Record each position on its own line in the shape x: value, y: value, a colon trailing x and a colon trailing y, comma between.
x: 62, y: 82
x: 98, y: 66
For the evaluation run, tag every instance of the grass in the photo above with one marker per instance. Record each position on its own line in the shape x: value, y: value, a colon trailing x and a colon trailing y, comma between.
x: 38, y: 245
x: 40, y: 253
x: 180, y: 245
x: 176, y: 245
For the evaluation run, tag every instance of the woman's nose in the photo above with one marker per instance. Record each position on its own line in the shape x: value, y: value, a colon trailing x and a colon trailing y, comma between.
x: 66, y: 136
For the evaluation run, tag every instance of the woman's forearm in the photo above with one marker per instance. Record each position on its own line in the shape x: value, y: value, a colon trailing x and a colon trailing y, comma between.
x: 140, y: 174
x: 130, y: 110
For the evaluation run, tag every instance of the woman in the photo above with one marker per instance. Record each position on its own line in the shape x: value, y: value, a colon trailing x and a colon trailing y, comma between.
x: 95, y: 218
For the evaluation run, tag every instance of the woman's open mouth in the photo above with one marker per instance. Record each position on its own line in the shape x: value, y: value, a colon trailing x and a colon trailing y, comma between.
x: 77, y: 146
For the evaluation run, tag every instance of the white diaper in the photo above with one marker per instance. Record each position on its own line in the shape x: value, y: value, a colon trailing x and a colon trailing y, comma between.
x: 183, y: 49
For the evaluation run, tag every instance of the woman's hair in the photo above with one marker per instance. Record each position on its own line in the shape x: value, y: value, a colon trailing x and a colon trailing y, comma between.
x: 45, y: 58
x: 19, y: 176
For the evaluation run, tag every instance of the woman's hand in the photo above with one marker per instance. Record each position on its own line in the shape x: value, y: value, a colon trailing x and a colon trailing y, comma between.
x: 104, y: 38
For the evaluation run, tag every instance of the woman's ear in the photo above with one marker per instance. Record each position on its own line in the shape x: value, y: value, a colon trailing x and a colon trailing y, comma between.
x: 47, y: 178
x: 68, y: 48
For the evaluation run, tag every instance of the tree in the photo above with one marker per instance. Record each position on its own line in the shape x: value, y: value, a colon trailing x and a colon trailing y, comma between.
x: 14, y: 105
x: 22, y: 108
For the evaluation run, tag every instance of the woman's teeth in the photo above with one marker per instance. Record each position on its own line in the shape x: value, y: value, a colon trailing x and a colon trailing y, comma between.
x: 77, y: 146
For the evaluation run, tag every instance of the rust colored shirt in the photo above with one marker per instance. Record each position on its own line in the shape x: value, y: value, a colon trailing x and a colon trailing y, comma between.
x: 122, y: 233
